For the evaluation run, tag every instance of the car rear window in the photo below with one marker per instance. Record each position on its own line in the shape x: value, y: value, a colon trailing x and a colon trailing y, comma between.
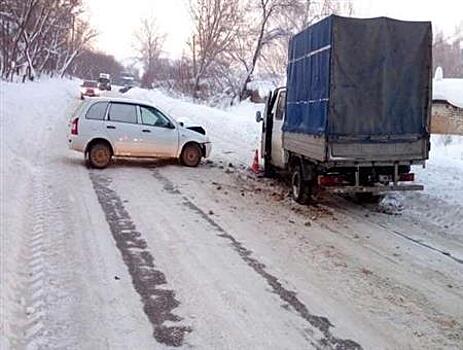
x: 123, y: 112
x: 97, y: 111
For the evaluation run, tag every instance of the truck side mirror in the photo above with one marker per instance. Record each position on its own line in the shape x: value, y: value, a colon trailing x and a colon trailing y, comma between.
x: 259, y: 117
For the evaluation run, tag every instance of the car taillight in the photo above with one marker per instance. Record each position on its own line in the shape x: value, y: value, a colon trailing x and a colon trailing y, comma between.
x: 407, y: 177
x: 75, y: 126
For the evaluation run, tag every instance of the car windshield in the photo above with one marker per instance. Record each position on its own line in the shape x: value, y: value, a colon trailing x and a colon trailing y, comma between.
x: 89, y: 84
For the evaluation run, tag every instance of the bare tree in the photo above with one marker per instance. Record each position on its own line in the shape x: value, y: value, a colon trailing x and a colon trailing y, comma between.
x: 149, y: 42
x: 298, y: 16
x: 216, y: 23
x: 448, y: 53
x: 252, y: 39
x: 82, y: 33
x: 41, y: 35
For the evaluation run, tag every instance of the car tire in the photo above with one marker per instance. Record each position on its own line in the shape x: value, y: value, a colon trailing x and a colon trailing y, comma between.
x: 99, y: 155
x: 81, y: 96
x: 191, y: 155
x: 300, y: 189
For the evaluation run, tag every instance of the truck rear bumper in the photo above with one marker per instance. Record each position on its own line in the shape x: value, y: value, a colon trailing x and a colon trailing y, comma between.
x: 372, y: 189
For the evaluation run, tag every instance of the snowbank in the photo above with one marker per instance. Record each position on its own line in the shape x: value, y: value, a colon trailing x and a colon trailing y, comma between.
x: 443, y: 175
x: 450, y: 90
x: 26, y: 119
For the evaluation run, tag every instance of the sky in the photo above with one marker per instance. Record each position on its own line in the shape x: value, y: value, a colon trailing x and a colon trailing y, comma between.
x: 117, y: 20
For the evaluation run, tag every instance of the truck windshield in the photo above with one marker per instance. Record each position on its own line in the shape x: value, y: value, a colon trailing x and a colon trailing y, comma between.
x: 281, y: 106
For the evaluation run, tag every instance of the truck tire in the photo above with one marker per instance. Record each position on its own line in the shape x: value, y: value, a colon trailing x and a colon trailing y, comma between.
x: 300, y: 189
x: 191, y: 155
x: 99, y: 155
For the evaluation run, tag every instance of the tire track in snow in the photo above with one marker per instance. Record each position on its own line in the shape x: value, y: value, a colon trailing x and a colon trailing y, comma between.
x: 320, y: 323
x: 351, y: 211
x: 158, y: 302
x: 45, y: 292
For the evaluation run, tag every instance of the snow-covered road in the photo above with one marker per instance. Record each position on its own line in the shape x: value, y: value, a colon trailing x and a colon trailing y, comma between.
x: 149, y: 254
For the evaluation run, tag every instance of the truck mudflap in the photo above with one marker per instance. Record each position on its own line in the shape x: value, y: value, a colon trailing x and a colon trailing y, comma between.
x: 372, y: 189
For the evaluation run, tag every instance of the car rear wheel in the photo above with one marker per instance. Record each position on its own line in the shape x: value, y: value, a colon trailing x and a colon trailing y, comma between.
x: 191, y: 155
x: 99, y: 155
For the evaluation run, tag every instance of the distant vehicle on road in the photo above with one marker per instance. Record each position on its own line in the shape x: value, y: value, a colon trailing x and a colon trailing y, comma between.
x: 116, y: 127
x: 89, y: 88
x: 104, y: 82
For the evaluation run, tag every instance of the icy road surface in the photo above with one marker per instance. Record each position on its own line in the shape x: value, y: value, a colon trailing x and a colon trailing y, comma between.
x: 151, y: 255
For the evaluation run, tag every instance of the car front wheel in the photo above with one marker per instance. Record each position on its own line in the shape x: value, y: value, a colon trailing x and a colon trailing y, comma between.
x: 99, y: 156
x: 191, y: 155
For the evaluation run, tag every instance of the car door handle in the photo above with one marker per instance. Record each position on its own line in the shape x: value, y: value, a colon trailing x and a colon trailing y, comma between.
x: 146, y: 130
x: 110, y: 127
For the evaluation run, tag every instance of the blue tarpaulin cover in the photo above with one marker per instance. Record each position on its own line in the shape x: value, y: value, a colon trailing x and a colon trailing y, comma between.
x: 360, y: 79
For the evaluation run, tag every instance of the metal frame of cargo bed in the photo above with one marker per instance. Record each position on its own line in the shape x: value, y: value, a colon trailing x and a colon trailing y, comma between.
x: 319, y: 149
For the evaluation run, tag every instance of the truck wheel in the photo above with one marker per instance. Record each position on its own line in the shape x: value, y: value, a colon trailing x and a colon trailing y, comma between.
x: 300, y: 189
x: 191, y: 155
x: 99, y: 155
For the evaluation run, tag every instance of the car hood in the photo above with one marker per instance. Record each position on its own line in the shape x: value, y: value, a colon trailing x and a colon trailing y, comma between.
x: 193, y: 132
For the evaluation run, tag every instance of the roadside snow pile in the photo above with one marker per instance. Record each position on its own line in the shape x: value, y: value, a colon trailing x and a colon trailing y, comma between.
x: 443, y: 176
x: 233, y: 131
x: 26, y: 119
x: 450, y: 90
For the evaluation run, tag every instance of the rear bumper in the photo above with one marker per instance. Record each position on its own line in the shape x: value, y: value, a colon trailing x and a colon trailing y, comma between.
x: 373, y: 189
x: 75, y: 144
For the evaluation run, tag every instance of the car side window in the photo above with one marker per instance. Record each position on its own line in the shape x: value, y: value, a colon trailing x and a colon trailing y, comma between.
x: 281, y: 106
x: 151, y: 116
x: 97, y: 111
x: 122, y: 112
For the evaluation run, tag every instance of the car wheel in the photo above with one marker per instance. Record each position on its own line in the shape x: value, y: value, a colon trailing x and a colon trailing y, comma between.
x: 300, y: 189
x: 99, y: 156
x: 191, y: 155
x: 81, y: 96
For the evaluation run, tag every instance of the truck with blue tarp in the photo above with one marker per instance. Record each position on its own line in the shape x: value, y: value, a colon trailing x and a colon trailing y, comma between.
x: 355, y: 114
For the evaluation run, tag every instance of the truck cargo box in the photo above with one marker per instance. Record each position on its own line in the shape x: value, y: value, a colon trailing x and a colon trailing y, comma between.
x: 360, y: 90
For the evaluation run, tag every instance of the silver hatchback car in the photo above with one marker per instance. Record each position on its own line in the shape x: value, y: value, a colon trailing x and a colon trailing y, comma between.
x: 106, y: 127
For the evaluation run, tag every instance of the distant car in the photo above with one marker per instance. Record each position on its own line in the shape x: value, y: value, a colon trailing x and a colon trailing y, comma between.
x: 116, y: 127
x: 104, y: 82
x: 89, y: 88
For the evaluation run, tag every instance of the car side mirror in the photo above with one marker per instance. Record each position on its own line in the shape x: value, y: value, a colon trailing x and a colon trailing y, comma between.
x: 259, y: 117
x: 181, y: 124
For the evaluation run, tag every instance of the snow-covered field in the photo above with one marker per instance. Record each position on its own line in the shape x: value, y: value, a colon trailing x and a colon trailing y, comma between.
x: 150, y: 255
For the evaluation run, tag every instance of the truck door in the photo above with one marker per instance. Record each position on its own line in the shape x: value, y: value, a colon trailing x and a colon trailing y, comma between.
x: 278, y: 114
x: 266, y: 139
